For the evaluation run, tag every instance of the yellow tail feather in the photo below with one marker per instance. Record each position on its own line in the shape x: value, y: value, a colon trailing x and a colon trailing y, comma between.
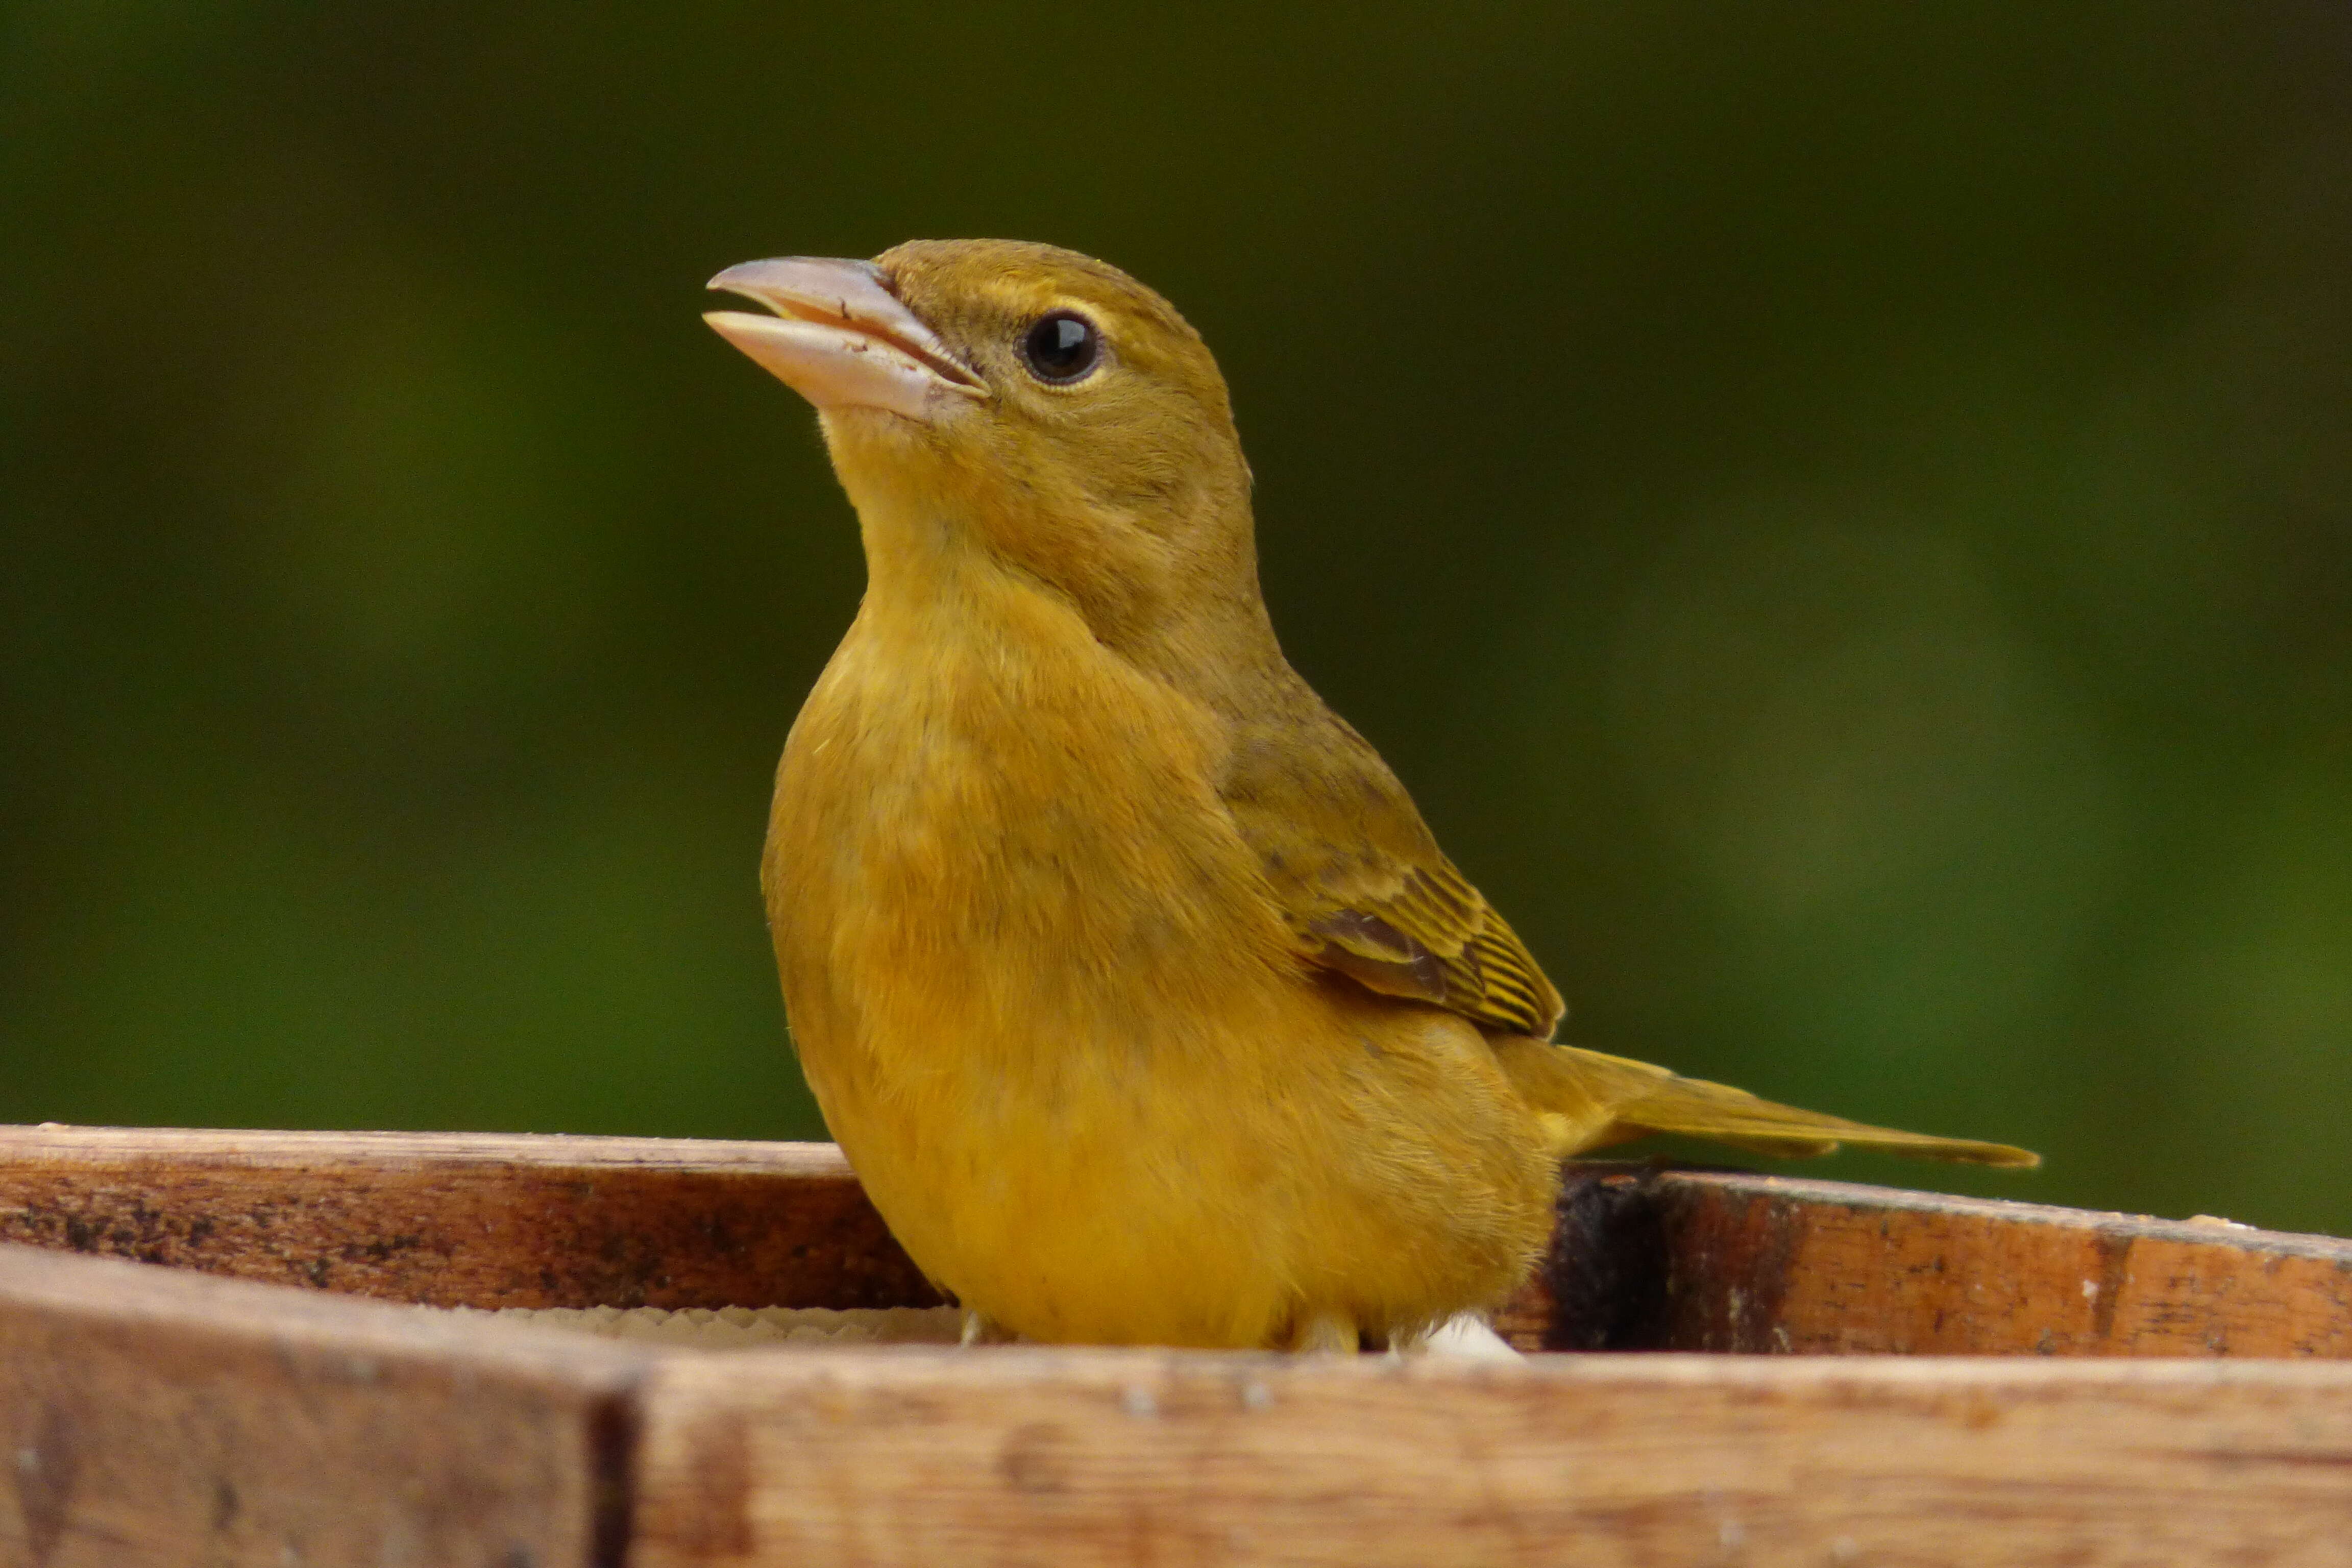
x: 1589, y: 1101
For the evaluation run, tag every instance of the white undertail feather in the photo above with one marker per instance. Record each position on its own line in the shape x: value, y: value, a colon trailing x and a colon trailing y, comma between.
x: 1465, y: 1335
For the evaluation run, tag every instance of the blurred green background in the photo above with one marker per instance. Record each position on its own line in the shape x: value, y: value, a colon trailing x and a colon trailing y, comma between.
x: 1839, y: 512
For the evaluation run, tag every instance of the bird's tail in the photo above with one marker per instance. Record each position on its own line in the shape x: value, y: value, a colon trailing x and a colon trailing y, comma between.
x: 1589, y: 1101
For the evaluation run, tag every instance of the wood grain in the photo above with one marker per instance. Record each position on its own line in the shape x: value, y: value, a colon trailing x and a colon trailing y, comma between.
x: 914, y: 1458
x: 152, y: 1418
x: 466, y: 1219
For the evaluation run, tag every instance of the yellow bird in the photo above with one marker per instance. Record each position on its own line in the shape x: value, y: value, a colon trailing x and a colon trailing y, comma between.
x: 1127, y: 975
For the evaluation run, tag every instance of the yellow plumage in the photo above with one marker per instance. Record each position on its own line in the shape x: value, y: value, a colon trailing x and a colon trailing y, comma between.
x: 1126, y: 973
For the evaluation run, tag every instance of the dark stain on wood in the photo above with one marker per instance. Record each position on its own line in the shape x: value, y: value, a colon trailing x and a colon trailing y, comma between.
x: 1607, y: 1270
x: 613, y: 1430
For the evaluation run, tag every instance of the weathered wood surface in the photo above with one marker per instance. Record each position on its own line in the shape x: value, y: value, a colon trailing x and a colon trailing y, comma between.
x: 466, y: 1219
x: 915, y: 1459
x: 1709, y: 1261
x: 157, y: 1419
x: 151, y: 1416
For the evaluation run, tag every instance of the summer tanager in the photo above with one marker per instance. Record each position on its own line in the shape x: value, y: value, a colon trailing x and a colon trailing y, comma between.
x: 1127, y: 975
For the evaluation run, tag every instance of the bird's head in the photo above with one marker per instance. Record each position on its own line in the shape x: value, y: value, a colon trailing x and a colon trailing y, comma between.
x: 1027, y: 403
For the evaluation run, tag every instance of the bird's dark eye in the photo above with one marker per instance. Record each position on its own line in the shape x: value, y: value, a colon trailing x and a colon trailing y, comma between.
x: 1062, y: 347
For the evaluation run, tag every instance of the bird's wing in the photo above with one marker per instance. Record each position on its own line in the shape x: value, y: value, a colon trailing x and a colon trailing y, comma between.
x: 1361, y: 882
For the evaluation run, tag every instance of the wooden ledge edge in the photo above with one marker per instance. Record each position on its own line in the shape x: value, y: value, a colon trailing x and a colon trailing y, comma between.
x: 113, y: 1293
x: 266, y: 1149
x: 1640, y: 1181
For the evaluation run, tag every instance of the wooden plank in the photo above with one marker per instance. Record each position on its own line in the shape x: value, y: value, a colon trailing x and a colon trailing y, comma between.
x: 914, y: 1458
x: 1725, y: 1261
x: 151, y: 1417
x: 466, y: 1219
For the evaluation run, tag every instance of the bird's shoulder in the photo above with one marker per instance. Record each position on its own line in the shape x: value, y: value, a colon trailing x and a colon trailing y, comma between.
x: 1360, y: 880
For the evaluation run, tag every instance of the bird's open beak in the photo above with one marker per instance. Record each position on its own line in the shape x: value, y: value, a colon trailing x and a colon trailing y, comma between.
x: 840, y: 338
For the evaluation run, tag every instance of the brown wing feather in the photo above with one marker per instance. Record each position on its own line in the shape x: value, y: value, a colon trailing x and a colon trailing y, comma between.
x: 1362, y: 880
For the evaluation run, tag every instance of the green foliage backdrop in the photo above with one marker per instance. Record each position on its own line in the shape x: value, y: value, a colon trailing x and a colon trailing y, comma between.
x: 1840, y: 514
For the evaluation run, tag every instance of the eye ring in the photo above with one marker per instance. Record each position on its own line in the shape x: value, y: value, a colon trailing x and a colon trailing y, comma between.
x: 1060, y: 347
